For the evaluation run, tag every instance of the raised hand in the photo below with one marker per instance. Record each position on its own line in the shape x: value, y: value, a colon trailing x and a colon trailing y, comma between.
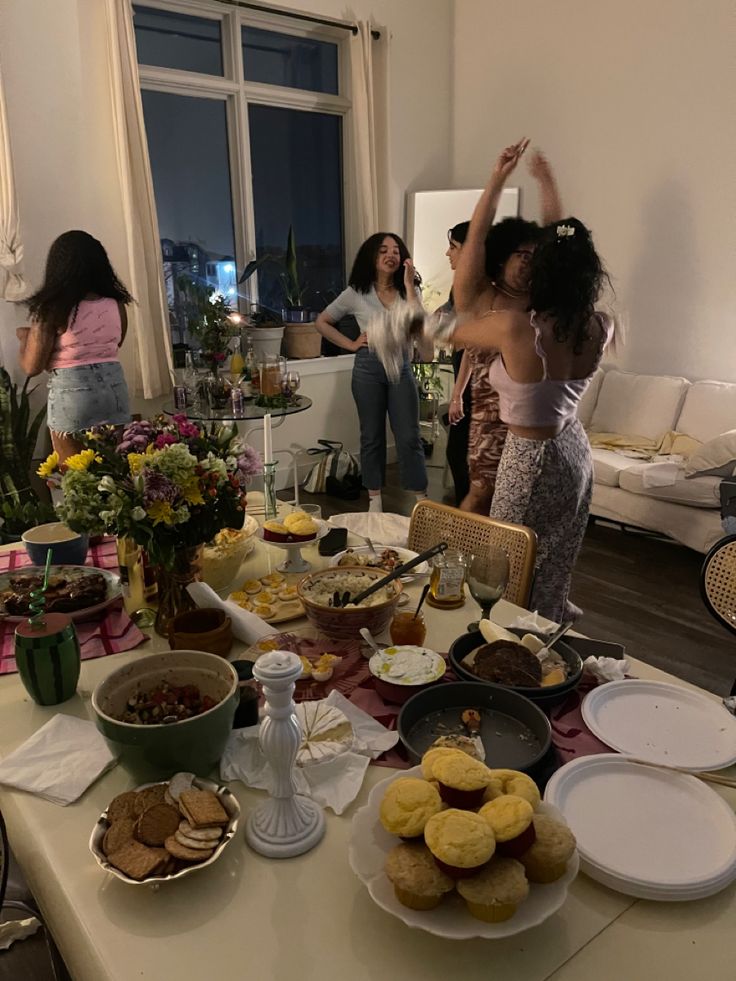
x: 539, y: 167
x: 410, y: 276
x: 508, y: 159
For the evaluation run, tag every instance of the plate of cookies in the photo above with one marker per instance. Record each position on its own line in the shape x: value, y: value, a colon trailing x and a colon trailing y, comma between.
x: 163, y: 831
x: 273, y: 598
x: 464, y: 858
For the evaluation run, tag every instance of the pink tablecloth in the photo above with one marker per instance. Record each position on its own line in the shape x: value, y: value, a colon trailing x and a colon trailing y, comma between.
x: 111, y: 633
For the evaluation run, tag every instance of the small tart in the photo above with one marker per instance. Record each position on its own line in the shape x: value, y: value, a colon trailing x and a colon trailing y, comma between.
x: 407, y: 805
x: 510, y: 819
x: 494, y: 894
x: 461, y: 841
x: 512, y: 782
x: 418, y: 882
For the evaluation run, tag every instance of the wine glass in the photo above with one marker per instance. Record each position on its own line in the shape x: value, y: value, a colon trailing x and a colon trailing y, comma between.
x: 487, y: 578
x: 293, y: 380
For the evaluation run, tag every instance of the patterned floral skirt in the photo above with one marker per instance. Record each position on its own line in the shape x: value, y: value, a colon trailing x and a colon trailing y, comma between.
x: 487, y: 433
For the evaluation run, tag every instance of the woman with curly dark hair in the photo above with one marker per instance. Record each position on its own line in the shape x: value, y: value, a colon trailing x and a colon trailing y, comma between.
x: 547, y: 356
x: 78, y: 322
x: 493, y: 274
x: 382, y: 282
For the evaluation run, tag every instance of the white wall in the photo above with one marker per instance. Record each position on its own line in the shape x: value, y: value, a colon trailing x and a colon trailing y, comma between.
x: 634, y: 104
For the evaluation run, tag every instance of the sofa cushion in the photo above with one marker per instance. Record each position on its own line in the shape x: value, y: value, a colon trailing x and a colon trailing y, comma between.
x: 709, y: 409
x: 699, y: 492
x: 717, y: 457
x: 607, y: 466
x: 590, y: 397
x: 638, y: 405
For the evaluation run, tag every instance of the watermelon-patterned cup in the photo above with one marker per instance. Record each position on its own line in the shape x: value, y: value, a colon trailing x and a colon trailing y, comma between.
x: 48, y: 658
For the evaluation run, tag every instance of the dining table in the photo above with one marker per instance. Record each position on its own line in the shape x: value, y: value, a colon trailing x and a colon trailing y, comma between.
x: 250, y: 917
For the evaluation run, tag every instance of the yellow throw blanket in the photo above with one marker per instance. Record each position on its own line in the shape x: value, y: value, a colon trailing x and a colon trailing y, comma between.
x: 646, y: 449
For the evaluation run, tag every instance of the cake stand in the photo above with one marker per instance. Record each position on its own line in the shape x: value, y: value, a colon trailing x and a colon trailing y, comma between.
x: 294, y: 561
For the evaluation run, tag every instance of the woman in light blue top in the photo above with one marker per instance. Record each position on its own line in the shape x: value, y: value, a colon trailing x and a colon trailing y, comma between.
x: 382, y: 278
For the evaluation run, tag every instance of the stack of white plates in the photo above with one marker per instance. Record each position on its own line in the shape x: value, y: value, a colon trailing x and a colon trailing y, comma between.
x: 649, y: 833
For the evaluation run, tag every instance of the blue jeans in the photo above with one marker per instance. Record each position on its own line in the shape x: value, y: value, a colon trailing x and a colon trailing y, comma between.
x: 375, y: 396
x: 86, y: 396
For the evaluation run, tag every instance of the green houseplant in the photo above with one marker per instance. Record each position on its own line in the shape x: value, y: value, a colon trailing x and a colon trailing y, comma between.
x: 21, y: 507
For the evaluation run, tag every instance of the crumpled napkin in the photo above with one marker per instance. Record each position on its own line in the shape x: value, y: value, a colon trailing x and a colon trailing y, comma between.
x: 14, y: 930
x: 246, y: 626
x: 606, y: 668
x: 334, y: 783
x: 386, y: 528
x: 60, y: 761
x: 532, y: 623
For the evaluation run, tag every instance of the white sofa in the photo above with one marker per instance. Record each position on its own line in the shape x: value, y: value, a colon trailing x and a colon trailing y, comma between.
x: 650, y: 406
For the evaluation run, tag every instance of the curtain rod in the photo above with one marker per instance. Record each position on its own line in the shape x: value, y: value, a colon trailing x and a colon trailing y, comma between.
x: 342, y: 25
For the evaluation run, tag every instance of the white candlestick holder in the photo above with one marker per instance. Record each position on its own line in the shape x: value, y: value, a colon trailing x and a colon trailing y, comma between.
x: 288, y: 823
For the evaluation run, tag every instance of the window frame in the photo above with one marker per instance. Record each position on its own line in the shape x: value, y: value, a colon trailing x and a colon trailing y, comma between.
x: 238, y: 94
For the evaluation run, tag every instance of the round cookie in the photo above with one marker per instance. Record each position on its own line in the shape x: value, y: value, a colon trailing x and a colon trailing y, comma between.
x: 122, y: 806
x: 407, y: 805
x: 183, y: 853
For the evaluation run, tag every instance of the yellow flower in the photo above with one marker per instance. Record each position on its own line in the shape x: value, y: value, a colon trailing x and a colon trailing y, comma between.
x: 191, y: 491
x: 161, y: 512
x: 82, y: 460
x: 48, y: 466
x: 150, y: 449
x: 135, y: 462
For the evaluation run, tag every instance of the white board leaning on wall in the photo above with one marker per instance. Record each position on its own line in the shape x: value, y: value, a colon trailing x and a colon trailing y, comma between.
x: 429, y: 215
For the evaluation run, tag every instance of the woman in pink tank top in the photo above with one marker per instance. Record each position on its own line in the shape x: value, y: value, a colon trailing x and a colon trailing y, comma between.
x: 78, y: 322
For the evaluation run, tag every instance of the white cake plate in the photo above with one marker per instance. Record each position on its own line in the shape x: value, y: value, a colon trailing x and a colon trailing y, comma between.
x: 294, y: 561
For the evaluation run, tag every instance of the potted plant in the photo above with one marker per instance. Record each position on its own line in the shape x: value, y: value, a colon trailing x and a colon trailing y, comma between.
x: 214, y: 323
x: 21, y: 506
x: 303, y: 340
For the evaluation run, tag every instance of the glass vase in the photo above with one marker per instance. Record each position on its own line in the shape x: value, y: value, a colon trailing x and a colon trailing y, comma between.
x: 173, y: 597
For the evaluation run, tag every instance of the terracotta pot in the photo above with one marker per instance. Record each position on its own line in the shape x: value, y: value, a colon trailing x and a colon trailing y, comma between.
x: 206, y: 629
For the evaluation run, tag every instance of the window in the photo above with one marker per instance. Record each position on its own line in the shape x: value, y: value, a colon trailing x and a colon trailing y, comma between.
x: 246, y: 141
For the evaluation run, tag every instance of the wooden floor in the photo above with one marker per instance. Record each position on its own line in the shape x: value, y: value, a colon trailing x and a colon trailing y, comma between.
x: 633, y: 589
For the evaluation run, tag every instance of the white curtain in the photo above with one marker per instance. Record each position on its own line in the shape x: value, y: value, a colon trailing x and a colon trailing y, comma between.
x: 363, y: 94
x: 149, y: 318
x: 12, y: 284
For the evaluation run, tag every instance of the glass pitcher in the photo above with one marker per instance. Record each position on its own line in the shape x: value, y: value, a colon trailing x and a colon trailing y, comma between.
x: 273, y: 371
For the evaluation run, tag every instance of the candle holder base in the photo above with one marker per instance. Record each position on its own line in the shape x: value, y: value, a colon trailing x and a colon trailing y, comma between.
x: 284, y: 828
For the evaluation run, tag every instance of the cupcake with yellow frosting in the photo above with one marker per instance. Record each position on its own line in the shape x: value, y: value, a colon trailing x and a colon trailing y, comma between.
x: 275, y: 531
x: 418, y: 882
x: 494, y: 894
x: 547, y: 858
x: 510, y: 820
x: 407, y: 805
x: 512, y: 782
x: 460, y: 841
x: 462, y: 779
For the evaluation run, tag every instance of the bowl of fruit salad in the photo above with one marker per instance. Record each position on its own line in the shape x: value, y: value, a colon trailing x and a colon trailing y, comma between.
x: 169, y: 711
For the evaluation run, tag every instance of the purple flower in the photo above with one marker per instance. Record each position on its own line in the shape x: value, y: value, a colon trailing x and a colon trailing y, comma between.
x: 136, y: 437
x: 156, y: 487
x: 186, y: 428
x: 249, y: 463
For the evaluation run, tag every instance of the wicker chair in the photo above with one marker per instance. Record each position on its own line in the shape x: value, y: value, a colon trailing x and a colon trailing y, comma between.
x: 432, y: 523
x: 718, y: 584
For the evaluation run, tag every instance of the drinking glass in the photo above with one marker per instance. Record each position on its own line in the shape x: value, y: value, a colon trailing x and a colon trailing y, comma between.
x: 487, y: 578
x: 293, y: 380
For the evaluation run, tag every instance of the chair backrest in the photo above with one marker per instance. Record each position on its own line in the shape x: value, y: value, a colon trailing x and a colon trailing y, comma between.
x: 432, y: 523
x: 718, y: 582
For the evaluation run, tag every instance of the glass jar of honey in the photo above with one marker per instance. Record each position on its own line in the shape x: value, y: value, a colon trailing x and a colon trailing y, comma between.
x: 447, y: 579
x: 408, y: 629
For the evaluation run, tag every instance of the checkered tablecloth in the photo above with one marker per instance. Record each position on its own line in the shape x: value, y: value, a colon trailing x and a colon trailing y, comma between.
x: 111, y: 633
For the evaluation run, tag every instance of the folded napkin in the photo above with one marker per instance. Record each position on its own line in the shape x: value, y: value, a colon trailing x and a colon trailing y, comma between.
x: 60, y: 761
x: 663, y: 471
x: 246, y: 626
x: 388, y: 529
x: 335, y: 783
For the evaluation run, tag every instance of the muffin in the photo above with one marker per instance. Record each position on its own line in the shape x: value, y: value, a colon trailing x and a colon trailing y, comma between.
x: 510, y: 819
x: 494, y: 894
x: 463, y: 743
x: 275, y: 531
x: 460, y: 841
x: 418, y: 882
x: 512, y: 782
x: 506, y: 663
x: 433, y: 754
x: 407, y: 805
x: 462, y: 779
x: 547, y: 858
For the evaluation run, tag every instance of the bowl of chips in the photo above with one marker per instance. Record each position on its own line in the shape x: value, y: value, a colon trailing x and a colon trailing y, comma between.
x: 162, y: 831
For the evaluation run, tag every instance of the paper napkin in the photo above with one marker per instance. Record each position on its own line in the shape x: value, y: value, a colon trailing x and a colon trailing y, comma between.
x: 334, y: 783
x: 606, y: 668
x: 246, y: 626
x: 60, y: 761
x: 386, y: 529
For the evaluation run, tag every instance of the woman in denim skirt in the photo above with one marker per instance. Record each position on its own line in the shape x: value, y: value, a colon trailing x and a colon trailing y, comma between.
x: 78, y: 322
x: 382, y: 278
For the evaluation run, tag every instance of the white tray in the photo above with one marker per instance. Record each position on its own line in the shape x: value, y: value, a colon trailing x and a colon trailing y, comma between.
x: 646, y: 832
x: 662, y: 723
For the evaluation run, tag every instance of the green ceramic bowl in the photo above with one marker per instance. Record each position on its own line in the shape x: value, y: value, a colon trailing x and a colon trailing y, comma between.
x: 194, y: 745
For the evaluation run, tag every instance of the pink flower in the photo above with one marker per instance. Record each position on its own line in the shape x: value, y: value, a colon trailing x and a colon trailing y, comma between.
x: 186, y: 428
x: 165, y: 439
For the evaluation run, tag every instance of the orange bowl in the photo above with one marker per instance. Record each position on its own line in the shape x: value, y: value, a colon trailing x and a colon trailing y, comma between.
x: 345, y: 623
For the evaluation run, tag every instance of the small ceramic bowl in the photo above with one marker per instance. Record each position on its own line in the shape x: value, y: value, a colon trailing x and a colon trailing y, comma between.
x: 397, y: 690
x: 207, y: 629
x: 67, y: 547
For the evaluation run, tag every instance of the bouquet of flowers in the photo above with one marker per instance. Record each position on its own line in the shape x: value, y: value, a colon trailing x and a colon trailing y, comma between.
x: 166, y: 484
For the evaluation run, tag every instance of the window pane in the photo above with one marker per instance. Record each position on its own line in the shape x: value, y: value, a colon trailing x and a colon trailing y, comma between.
x: 188, y: 146
x: 170, y: 40
x: 296, y: 162
x: 296, y: 62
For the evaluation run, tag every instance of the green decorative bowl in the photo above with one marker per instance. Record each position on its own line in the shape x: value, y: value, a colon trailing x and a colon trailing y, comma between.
x: 194, y: 745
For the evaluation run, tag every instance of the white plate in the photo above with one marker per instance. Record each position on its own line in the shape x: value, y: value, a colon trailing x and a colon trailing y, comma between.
x: 370, y: 843
x: 654, y: 833
x: 322, y: 530
x: 662, y: 723
x: 114, y: 589
x: 404, y: 554
x: 226, y: 797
